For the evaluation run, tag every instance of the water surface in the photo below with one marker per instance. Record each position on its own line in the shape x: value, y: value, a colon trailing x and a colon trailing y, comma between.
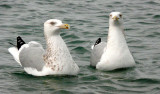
x: 88, y: 20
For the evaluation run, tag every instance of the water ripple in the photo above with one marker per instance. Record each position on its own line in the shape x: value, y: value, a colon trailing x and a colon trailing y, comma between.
x: 88, y: 20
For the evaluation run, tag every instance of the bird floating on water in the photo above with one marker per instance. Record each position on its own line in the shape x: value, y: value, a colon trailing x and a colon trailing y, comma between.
x: 115, y: 53
x: 56, y: 60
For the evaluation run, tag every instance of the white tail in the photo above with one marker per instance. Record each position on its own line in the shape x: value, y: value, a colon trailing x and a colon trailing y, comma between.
x: 15, y: 53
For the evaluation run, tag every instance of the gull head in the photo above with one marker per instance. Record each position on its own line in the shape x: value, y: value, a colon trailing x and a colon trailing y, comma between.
x: 115, y: 18
x: 53, y: 26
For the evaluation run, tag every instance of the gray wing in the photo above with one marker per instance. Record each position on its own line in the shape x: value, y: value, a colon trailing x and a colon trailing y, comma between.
x: 31, y: 55
x: 96, y: 53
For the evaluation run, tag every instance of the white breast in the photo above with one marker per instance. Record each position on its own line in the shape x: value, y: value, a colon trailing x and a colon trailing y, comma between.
x: 116, y: 54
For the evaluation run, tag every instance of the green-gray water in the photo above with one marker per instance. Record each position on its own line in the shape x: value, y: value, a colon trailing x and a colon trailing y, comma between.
x: 88, y: 20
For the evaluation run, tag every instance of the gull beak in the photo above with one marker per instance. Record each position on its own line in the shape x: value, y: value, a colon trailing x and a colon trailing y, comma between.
x: 115, y: 18
x: 64, y: 26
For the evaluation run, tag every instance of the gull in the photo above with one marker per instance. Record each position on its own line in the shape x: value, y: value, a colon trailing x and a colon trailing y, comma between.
x: 115, y: 53
x: 55, y: 60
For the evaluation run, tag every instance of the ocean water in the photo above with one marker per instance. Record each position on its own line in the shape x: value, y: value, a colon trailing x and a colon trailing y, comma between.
x: 89, y: 21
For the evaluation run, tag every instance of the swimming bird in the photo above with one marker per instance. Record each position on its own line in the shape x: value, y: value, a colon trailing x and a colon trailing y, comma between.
x: 115, y: 53
x: 55, y: 60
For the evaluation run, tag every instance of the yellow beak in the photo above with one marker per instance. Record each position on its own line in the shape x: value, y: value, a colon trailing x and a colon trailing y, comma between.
x: 64, y: 26
x: 115, y: 18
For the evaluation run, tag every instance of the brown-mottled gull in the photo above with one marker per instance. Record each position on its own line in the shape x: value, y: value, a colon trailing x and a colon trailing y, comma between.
x: 56, y: 60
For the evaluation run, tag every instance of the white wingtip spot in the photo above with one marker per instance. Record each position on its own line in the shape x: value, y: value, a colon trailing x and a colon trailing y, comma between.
x: 92, y: 47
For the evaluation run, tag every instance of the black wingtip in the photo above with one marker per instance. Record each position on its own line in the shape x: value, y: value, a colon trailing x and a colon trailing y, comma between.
x: 20, y: 42
x: 97, y: 41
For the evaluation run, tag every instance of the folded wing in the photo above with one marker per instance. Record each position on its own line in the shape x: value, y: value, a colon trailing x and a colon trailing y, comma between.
x: 97, y: 52
x: 31, y: 56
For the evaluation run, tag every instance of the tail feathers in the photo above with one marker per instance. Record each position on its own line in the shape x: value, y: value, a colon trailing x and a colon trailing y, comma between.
x: 14, y: 50
x: 12, y: 44
x: 20, y: 42
x: 15, y: 53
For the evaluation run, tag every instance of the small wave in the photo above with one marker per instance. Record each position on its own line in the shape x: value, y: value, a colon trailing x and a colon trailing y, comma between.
x: 80, y: 50
x: 145, y: 23
x: 62, y: 92
x: 156, y: 16
x: 147, y: 80
x: 76, y: 42
x: 5, y: 6
x: 152, y: 3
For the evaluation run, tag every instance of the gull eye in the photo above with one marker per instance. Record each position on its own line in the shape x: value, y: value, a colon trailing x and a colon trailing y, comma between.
x: 52, y: 23
x: 120, y: 15
x: 110, y: 15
